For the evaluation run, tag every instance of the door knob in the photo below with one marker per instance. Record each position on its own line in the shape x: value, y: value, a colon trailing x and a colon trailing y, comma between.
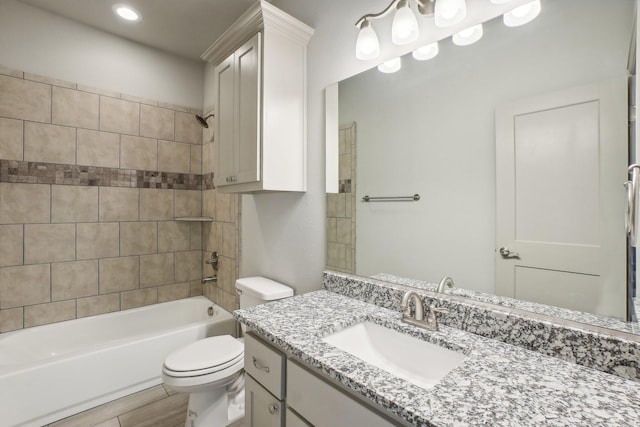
x: 508, y: 253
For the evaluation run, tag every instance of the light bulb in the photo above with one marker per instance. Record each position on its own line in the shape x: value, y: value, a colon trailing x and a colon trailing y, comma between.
x: 450, y: 12
x: 127, y: 12
x: 522, y: 14
x: 426, y: 52
x: 390, y: 66
x: 367, y: 45
x: 468, y: 36
x: 404, y: 28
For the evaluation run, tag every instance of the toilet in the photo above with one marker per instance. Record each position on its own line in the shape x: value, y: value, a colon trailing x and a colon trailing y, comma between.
x: 211, y: 369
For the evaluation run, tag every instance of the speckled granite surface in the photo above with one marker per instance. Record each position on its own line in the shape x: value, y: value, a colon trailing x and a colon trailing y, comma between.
x: 496, y: 385
x: 576, y: 316
x: 588, y: 346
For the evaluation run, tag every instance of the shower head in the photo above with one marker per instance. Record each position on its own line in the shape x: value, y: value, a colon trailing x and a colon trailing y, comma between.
x: 203, y: 120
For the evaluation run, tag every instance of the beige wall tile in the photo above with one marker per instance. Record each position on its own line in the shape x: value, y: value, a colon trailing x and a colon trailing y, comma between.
x: 188, y: 129
x: 43, y: 314
x: 196, y: 288
x: 207, y: 158
x: 138, y: 153
x: 138, y: 238
x: 188, y: 266
x: 188, y: 203
x: 343, y: 234
x: 156, y: 270
x: 223, y: 207
x: 118, y: 274
x: 156, y: 204
x: 332, y: 229
x: 99, y: 91
x: 49, y: 143
x: 74, y: 279
x: 98, y: 240
x: 11, y: 238
x: 212, y: 236
x: 156, y: 122
x: 336, y: 205
x: 72, y: 203
x: 138, y: 298
x: 75, y: 108
x: 196, y: 159
x: 174, y: 292
x: 336, y: 255
x: 226, y: 275
x: 11, y: 146
x: 229, y: 301
x: 24, y: 285
x: 25, y: 100
x: 11, y: 72
x: 173, y: 236
x: 49, y: 243
x: 174, y: 157
x: 119, y: 116
x: 98, y: 304
x: 49, y: 80
x: 98, y: 149
x: 118, y: 204
x: 229, y: 239
x: 209, y: 203
x: 138, y: 99
x: 196, y: 236
x: 11, y: 320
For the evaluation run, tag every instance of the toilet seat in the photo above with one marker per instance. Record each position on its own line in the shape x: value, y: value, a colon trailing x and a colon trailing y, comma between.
x: 205, y: 355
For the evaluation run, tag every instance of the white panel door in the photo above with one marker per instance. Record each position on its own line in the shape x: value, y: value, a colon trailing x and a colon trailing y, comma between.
x: 561, y: 161
x: 248, y: 94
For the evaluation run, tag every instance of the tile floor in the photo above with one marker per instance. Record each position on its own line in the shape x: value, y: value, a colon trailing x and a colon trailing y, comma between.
x: 154, y: 407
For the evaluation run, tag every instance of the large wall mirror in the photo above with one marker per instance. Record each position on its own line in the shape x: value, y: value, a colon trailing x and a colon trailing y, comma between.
x: 518, y: 142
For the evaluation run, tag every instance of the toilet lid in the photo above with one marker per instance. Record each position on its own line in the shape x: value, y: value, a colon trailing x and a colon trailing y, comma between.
x: 204, y: 354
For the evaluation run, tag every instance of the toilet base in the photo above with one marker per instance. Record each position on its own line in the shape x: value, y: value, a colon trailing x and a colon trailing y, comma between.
x: 208, y: 408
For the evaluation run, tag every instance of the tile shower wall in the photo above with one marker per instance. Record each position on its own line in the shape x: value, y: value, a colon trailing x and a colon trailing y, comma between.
x: 222, y: 235
x: 90, y: 183
x: 341, y: 215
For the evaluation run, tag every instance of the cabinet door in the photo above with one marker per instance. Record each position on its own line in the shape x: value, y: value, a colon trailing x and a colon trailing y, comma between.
x: 225, y: 123
x: 261, y: 408
x: 248, y: 101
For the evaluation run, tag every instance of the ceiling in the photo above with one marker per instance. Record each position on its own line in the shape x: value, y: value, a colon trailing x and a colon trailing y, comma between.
x: 183, y: 27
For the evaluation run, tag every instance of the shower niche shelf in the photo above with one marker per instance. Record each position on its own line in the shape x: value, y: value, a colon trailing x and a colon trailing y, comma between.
x: 193, y: 218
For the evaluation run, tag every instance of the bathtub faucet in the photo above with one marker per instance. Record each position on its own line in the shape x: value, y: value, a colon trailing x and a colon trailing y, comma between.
x: 209, y: 279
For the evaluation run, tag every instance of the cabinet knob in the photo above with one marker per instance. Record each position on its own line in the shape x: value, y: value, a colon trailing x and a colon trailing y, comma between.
x: 273, y: 408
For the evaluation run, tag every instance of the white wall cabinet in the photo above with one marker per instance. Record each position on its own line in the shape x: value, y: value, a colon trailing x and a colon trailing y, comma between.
x: 260, y: 111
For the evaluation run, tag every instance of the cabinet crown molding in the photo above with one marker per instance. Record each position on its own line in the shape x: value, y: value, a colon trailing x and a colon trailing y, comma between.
x: 262, y: 16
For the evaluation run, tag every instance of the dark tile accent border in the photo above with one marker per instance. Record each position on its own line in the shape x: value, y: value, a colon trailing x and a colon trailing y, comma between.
x: 15, y: 171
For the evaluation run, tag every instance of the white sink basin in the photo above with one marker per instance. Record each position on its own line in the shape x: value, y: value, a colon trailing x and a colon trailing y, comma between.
x: 419, y: 362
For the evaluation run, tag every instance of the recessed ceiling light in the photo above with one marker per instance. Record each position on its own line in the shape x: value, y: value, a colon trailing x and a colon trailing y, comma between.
x: 127, y: 12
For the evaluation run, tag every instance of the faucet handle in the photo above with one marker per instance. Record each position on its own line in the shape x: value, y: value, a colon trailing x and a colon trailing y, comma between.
x: 432, y: 318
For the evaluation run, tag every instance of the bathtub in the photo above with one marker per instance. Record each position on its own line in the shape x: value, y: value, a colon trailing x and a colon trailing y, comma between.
x: 53, y: 371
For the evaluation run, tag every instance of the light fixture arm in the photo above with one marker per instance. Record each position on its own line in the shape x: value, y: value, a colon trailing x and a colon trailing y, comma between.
x: 373, y: 16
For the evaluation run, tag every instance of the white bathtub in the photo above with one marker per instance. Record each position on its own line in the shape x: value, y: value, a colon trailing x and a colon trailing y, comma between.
x: 50, y: 372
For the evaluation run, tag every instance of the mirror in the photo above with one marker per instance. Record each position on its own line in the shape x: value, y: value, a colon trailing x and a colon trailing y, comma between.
x: 432, y: 129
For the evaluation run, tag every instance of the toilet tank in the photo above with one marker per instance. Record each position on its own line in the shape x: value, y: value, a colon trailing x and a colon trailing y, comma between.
x: 259, y: 290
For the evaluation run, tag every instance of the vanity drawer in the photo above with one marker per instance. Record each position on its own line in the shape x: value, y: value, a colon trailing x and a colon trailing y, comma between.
x: 264, y: 364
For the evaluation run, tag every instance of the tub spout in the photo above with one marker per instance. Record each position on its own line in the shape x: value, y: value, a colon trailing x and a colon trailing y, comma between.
x: 209, y: 279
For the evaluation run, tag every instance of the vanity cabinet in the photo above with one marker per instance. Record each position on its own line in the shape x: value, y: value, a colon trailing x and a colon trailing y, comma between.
x: 260, y: 102
x: 278, y: 389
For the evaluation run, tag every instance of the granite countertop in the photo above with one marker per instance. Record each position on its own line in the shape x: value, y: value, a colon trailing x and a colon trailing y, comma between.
x: 497, y: 384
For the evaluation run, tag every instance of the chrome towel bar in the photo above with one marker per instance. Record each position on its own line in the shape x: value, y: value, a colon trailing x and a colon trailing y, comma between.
x: 413, y: 198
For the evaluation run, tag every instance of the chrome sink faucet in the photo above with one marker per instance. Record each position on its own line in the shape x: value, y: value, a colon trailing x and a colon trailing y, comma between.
x: 446, y: 281
x: 430, y: 323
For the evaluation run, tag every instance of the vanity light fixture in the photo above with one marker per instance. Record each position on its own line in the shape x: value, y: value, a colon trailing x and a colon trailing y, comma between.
x: 468, y: 36
x: 450, y: 12
x: 426, y: 52
x: 390, y: 66
x: 404, y: 29
x: 127, y: 12
x: 522, y: 14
